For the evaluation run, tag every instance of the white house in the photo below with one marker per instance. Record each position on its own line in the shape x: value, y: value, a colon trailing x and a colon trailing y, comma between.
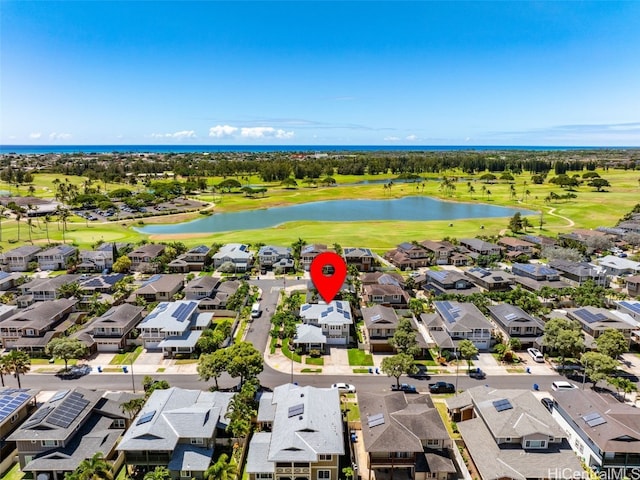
x: 334, y: 319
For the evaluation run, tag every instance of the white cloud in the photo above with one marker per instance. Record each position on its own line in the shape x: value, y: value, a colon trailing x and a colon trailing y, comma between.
x: 176, y: 135
x: 411, y: 138
x: 35, y: 135
x: 220, y: 131
x: 59, y: 136
x: 391, y: 139
x: 264, y: 132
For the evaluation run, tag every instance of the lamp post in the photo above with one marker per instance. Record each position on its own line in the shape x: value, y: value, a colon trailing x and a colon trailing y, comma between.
x: 455, y: 352
x: 133, y: 381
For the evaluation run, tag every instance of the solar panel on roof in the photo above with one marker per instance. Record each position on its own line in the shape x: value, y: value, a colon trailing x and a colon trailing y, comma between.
x: 68, y: 410
x: 296, y: 410
x: 59, y: 395
x: 511, y: 316
x: 38, y: 416
x: 594, y: 419
x: 501, y: 405
x: 146, y: 418
x: 375, y: 420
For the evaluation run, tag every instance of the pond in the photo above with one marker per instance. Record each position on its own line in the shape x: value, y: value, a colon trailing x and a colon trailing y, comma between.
x: 415, y: 208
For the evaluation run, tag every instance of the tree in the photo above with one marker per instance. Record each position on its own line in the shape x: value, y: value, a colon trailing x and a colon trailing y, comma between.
x: 122, y: 264
x: 563, y: 337
x: 66, y: 348
x: 599, y: 184
x: 597, y: 366
x: 158, y: 473
x: 612, y: 343
x: 132, y: 407
x: 242, y: 409
x: 213, y: 365
x: 4, y: 368
x: 244, y: 361
x: 347, y: 472
x: 569, y: 343
x: 468, y: 350
x: 404, y: 338
x: 18, y: 363
x: 622, y: 385
x: 398, y: 365
x: 94, y: 468
x: 515, y: 223
x: 223, y: 469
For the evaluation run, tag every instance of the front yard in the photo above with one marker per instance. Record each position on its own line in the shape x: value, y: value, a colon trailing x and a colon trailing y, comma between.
x: 357, y: 358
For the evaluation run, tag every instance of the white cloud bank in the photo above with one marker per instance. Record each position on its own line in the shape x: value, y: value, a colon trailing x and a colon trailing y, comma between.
x: 176, y: 135
x: 228, y: 131
x: 222, y: 131
x: 35, y: 135
x: 59, y: 136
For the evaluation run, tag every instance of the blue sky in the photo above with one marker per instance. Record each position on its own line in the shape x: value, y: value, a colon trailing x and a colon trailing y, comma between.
x: 320, y: 73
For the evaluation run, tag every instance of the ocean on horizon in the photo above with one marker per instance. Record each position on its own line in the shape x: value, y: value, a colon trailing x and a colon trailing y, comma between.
x: 61, y: 149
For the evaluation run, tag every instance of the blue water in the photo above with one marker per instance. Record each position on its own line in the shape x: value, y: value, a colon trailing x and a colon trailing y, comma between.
x: 415, y: 208
x: 41, y: 149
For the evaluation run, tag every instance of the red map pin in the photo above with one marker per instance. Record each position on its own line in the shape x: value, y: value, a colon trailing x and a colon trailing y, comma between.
x: 328, y: 284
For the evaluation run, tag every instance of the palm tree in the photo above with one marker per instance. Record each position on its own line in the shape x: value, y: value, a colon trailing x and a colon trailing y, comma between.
x: 94, y: 468
x: 2, y: 210
x: 47, y: 220
x: 132, y: 407
x: 30, y: 225
x: 158, y: 473
x: 223, y: 469
x: 4, y: 369
x: 19, y: 363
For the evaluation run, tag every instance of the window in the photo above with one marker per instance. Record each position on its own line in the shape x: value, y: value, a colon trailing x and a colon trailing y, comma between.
x: 535, y: 444
x: 197, y: 441
x: 185, y: 473
x: 400, y: 455
x: 433, y: 443
x: 49, y: 443
x: 118, y: 423
x: 264, y: 476
x: 15, y: 417
x: 324, y: 474
x: 324, y: 458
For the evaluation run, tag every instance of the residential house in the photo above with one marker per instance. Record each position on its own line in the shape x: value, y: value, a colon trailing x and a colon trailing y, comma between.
x: 71, y: 427
x: 201, y: 287
x: 221, y: 295
x: 18, y: 259
x: 535, y: 276
x: 630, y: 307
x: 513, y: 322
x: 440, y: 252
x: 632, y: 285
x: 391, y: 295
x: 159, y: 288
x: 100, y: 283
x: 479, y: 248
x: 333, y: 319
x: 490, y: 280
x: 15, y: 405
x: 237, y: 254
x: 44, y: 289
x: 142, y: 258
x: 616, y: 266
x: 174, y: 327
x: 380, y: 278
x: 580, y: 236
x: 409, y: 256
x: 177, y: 429
x: 448, y: 281
x: 406, y: 436
x: 510, y: 435
x: 8, y: 280
x: 309, y: 252
x: 110, y: 331
x: 594, y: 321
x: 455, y: 321
x: 380, y: 324
x: 577, y: 273
x: 300, y: 435
x: 362, y: 258
x: 271, y: 256
x: 540, y: 241
x: 57, y: 258
x: 98, y: 260
x: 33, y: 327
x: 515, y: 247
x: 603, y: 432
x: 194, y: 260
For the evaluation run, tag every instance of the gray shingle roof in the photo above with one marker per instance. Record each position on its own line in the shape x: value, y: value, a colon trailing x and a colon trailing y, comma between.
x: 257, y: 457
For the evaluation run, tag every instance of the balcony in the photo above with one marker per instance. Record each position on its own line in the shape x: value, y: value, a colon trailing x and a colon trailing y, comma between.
x: 296, y: 470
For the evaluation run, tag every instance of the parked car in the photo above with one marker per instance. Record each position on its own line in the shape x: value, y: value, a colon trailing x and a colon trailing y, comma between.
x: 536, y: 355
x: 548, y: 403
x: 74, y: 372
x: 477, y: 373
x: 344, y: 387
x: 404, y: 387
x: 442, y: 387
x: 421, y: 372
x: 562, y: 385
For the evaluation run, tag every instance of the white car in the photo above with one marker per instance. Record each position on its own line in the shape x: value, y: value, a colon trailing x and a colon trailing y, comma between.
x: 344, y: 387
x: 536, y: 355
x: 562, y: 385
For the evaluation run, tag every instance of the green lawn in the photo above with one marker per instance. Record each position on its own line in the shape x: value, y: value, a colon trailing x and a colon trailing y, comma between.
x: 288, y: 353
x: 359, y: 358
x: 14, y: 473
x: 314, y: 361
x: 442, y: 410
x: 126, y: 358
x: 57, y: 361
